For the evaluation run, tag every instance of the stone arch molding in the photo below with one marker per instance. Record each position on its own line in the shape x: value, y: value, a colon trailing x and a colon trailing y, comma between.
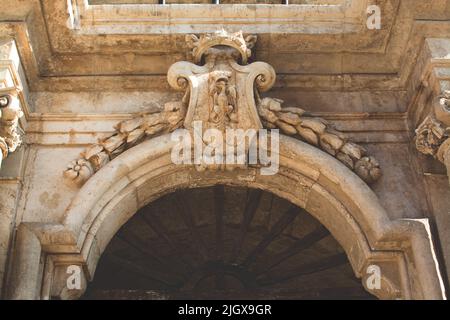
x: 308, y: 177
x: 222, y: 93
x: 131, y: 172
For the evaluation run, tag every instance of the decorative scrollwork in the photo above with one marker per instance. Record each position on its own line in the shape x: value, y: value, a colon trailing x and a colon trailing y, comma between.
x: 127, y: 134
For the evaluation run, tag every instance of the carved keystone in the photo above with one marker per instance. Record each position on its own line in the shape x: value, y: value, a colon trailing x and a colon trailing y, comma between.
x: 433, y: 134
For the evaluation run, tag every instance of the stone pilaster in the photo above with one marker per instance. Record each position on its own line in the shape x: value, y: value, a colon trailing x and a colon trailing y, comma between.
x: 10, y: 113
x: 11, y: 98
x: 444, y: 155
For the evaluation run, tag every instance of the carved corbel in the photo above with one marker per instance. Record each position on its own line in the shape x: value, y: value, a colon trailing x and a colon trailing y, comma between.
x: 199, y: 45
x: 433, y: 134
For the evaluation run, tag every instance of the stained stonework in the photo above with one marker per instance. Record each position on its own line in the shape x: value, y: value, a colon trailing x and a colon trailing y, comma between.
x: 90, y: 93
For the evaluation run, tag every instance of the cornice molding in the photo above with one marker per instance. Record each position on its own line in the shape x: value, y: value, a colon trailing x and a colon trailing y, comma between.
x: 55, y: 56
x: 343, y: 17
x: 433, y: 134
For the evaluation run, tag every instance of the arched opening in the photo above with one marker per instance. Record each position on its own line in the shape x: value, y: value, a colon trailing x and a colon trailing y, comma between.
x: 308, y: 178
x: 224, y: 242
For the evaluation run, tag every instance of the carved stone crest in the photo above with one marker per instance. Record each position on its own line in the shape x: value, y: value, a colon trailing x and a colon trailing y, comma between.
x: 222, y: 91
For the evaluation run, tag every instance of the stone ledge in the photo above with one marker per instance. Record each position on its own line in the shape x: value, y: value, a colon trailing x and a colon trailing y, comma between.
x: 188, y: 18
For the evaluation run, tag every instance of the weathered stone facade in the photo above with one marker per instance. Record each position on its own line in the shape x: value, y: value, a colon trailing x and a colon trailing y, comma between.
x: 90, y: 93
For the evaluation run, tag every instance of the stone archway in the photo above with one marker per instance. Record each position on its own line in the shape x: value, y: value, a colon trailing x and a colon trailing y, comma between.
x: 308, y: 177
x: 223, y: 242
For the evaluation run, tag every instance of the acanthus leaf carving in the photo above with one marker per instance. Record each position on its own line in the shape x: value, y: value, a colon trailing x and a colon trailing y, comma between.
x: 442, y: 109
x: 224, y: 93
x: 430, y: 135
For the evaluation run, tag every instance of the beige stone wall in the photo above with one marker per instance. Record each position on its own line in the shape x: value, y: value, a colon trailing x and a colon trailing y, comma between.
x: 84, y: 77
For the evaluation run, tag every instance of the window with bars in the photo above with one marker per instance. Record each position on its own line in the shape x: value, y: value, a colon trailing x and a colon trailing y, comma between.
x: 310, y: 2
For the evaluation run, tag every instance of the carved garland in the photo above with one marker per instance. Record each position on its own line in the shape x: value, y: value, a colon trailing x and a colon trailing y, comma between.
x: 221, y: 51
x: 320, y: 133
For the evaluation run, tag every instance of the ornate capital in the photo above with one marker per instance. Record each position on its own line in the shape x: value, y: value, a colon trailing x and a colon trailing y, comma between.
x: 11, y: 98
x: 222, y: 91
x: 435, y: 129
x: 433, y: 134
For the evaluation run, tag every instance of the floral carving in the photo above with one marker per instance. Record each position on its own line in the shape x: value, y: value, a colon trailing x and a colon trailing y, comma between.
x: 79, y: 171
